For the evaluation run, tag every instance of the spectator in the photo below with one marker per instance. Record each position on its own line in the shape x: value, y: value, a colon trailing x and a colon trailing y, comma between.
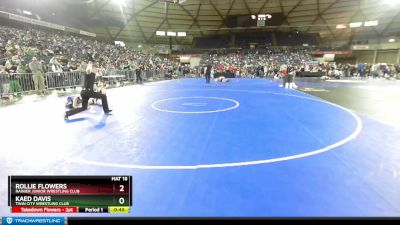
x: 4, y: 78
x: 57, y: 77
x: 14, y: 86
x: 38, y: 78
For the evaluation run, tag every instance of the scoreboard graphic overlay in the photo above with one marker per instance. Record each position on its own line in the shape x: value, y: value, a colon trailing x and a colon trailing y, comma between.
x: 70, y: 194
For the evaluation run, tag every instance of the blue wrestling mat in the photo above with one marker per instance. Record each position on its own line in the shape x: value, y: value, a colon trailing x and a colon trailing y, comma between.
x: 243, y: 148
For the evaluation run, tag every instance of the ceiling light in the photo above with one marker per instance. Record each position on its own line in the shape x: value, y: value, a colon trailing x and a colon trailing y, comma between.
x: 171, y: 33
x: 371, y: 23
x: 26, y: 12
x: 356, y: 24
x: 341, y: 26
x: 392, y: 40
x: 265, y: 16
x: 160, y: 33
x: 181, y: 34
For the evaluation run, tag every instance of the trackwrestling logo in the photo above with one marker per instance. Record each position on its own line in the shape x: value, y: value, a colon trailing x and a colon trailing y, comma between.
x: 33, y: 220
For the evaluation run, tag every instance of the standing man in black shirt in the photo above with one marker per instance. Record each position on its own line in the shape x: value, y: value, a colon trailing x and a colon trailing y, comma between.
x: 139, y: 71
x: 88, y: 92
x: 208, y: 73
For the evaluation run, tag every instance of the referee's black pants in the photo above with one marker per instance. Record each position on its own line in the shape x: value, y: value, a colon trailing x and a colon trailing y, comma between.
x: 86, y: 95
x: 208, y: 77
x: 139, y: 79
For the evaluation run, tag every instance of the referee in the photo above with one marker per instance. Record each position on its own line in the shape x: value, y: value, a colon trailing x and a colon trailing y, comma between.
x: 88, y: 92
x: 208, y: 73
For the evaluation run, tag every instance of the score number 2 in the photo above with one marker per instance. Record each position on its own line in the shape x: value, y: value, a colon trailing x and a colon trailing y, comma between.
x: 121, y: 200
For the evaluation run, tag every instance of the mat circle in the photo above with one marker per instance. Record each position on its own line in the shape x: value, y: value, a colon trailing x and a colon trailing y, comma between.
x: 155, y: 106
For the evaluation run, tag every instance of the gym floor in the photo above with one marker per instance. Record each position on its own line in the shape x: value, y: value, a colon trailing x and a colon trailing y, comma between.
x: 243, y: 148
x: 376, y: 98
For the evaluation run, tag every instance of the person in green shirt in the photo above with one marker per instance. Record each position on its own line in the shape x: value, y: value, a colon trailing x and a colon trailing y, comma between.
x: 15, y: 88
x: 30, y: 52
